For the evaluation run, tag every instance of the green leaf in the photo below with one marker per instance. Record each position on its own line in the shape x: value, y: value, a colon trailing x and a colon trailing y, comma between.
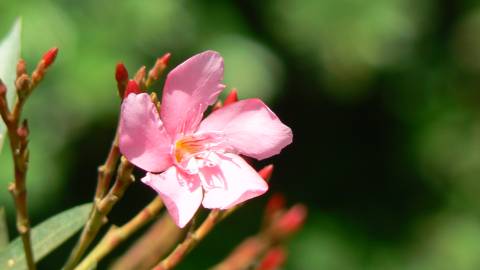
x: 46, y: 236
x: 3, y: 229
x: 9, y: 55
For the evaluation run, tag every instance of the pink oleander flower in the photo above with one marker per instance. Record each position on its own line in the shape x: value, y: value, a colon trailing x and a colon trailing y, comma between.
x: 189, y: 161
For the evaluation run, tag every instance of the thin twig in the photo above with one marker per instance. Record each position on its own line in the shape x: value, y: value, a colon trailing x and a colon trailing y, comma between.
x: 105, y: 171
x: 145, y: 253
x: 18, y: 144
x: 99, y: 213
x: 190, y: 241
x: 18, y: 136
x: 245, y: 254
x: 116, y: 235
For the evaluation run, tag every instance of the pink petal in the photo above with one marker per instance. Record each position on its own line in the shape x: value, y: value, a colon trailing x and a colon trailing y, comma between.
x: 182, y: 196
x: 240, y: 182
x: 250, y: 127
x: 189, y: 89
x: 142, y: 137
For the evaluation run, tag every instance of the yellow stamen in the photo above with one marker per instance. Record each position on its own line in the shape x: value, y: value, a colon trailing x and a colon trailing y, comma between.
x: 187, y: 146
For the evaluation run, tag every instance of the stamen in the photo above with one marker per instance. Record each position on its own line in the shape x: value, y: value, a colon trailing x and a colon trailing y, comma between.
x: 193, y: 152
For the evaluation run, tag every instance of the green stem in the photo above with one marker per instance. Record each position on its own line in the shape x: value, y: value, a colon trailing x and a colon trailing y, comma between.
x: 116, y: 235
x: 100, y: 211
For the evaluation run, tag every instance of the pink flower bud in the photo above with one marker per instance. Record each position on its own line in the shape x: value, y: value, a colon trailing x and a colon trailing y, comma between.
x: 50, y: 56
x: 266, y: 172
x: 292, y: 220
x: 121, y: 73
x: 132, y: 87
x: 274, y: 259
x: 231, y: 98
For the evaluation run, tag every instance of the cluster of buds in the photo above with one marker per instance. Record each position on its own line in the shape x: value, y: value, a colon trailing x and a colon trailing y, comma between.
x: 266, y: 250
x: 47, y: 60
x: 18, y: 132
x: 141, y: 80
x: 24, y: 83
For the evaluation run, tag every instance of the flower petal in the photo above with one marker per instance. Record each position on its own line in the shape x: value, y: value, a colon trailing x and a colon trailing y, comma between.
x: 240, y: 182
x: 142, y: 137
x: 189, y: 89
x: 250, y: 127
x: 182, y: 196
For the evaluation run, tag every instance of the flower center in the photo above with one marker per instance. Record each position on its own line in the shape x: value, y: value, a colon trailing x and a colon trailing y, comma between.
x: 187, y: 147
x: 193, y: 152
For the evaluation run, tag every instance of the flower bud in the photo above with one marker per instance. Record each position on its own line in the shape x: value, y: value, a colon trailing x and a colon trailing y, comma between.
x: 159, y: 67
x: 3, y: 100
x: 23, y: 130
x: 50, y: 56
x: 266, y: 172
x: 121, y: 73
x: 39, y: 72
x: 132, y: 87
x: 292, y: 220
x: 23, y: 85
x: 231, y: 98
x: 274, y: 259
x: 275, y: 204
x: 121, y: 76
x: 140, y: 75
x: 21, y: 68
x: 165, y: 59
x: 3, y: 89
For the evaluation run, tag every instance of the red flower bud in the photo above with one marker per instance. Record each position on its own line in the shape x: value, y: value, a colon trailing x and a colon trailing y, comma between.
x: 165, y: 58
x: 121, y: 73
x: 157, y: 69
x: 50, y: 56
x: 231, y: 98
x: 292, y: 220
x: 275, y: 204
x: 266, y: 172
x: 132, y: 87
x: 274, y: 259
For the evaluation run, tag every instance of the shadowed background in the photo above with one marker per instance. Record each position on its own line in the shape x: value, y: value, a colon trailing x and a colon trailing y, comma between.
x: 382, y: 96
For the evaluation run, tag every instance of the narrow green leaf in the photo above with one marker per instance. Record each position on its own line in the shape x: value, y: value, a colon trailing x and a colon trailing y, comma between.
x: 9, y: 55
x: 46, y: 236
x: 3, y: 229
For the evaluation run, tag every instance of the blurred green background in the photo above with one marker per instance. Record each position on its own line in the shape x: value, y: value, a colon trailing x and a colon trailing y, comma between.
x: 382, y: 95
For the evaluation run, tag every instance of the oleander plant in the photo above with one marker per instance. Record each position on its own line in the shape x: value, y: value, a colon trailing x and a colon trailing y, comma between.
x: 197, y: 152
